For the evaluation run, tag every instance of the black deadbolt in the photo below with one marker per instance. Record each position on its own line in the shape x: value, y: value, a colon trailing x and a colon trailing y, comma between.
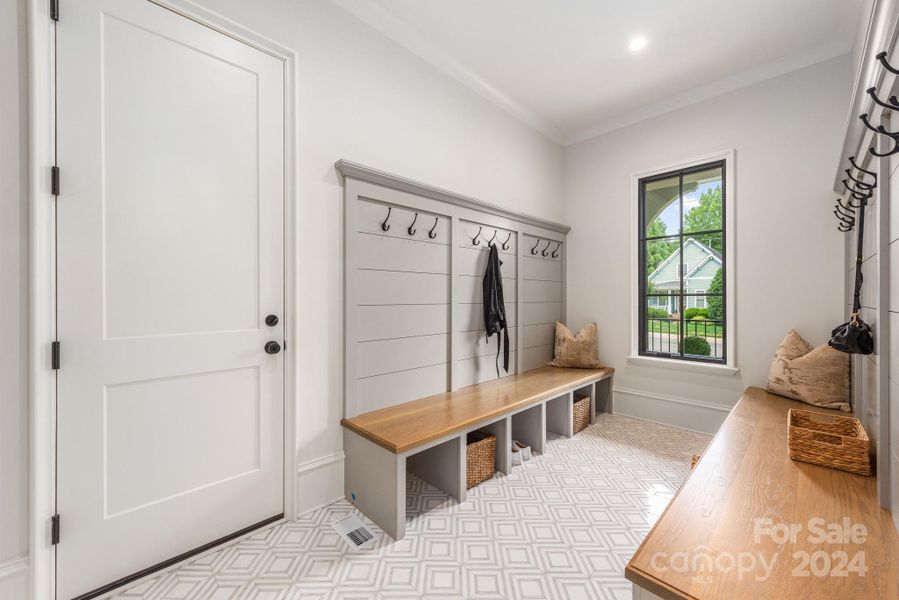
x: 272, y: 347
x: 271, y: 320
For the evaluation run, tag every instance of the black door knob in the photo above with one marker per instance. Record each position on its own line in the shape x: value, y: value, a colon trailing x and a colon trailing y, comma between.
x: 271, y: 320
x: 272, y: 347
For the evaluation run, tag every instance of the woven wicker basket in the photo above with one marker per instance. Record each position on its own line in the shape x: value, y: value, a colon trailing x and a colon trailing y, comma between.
x: 480, y: 457
x: 828, y: 440
x: 581, y: 412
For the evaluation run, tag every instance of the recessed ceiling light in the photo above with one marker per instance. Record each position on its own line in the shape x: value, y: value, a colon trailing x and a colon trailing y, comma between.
x: 637, y: 43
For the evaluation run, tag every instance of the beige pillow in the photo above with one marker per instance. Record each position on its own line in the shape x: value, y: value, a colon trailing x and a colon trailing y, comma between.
x: 817, y: 376
x: 578, y: 351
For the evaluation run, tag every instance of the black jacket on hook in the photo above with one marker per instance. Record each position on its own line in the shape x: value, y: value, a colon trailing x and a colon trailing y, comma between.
x: 495, y: 306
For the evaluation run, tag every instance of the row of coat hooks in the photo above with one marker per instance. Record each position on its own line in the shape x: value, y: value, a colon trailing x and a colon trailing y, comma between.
x: 385, y: 226
x: 545, y: 251
x: 858, y: 187
x: 475, y: 241
x: 859, y: 191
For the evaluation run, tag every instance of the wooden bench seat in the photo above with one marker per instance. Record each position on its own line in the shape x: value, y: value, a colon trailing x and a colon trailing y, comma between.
x: 412, y: 424
x: 743, y: 486
x: 428, y: 436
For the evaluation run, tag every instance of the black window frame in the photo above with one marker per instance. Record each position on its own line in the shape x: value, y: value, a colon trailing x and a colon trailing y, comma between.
x: 680, y: 237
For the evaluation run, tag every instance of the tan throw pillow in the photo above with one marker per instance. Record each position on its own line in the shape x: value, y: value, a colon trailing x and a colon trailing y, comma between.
x: 577, y: 351
x: 817, y: 376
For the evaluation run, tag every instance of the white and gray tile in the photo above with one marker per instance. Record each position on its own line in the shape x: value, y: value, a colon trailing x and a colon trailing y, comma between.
x: 562, y: 526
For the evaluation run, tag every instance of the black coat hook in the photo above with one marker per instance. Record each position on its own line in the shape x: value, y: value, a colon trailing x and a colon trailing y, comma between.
x: 858, y: 182
x: 432, y: 234
x: 879, y: 129
x: 543, y: 253
x: 411, y: 231
x: 505, y: 244
x: 890, y: 152
x: 490, y: 241
x: 534, y: 249
x: 384, y: 225
x: 849, y: 209
x: 882, y: 57
x: 865, y: 171
x: 555, y: 253
x: 891, y: 104
x: 844, y: 213
x: 475, y: 241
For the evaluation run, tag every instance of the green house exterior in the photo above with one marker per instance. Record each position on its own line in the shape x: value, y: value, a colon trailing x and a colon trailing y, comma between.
x: 700, y: 265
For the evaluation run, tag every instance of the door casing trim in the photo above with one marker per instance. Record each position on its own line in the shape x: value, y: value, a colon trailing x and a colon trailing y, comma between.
x: 42, y: 289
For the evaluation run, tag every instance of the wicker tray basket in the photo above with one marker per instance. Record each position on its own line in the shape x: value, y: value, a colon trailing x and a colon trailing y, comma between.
x: 828, y: 440
x: 480, y: 461
x: 581, y: 411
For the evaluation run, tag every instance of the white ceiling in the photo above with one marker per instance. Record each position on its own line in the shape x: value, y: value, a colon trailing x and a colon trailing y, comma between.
x: 564, y: 65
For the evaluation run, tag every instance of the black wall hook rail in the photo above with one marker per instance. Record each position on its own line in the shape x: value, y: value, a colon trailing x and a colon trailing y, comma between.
x: 505, y: 245
x: 882, y: 57
x: 384, y: 225
x: 475, y: 241
x: 432, y: 234
x: 410, y: 230
x: 534, y: 249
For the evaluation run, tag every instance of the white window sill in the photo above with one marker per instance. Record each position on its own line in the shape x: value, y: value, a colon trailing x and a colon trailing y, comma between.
x: 683, y: 365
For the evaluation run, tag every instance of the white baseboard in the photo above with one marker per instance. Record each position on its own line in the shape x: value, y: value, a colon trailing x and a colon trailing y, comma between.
x: 14, y: 579
x: 685, y: 413
x: 319, y: 482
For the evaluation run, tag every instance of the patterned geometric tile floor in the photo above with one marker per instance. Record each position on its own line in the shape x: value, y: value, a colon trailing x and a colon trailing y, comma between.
x: 562, y: 526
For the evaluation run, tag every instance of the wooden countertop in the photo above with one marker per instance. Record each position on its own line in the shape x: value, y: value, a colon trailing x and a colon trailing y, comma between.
x: 744, y: 475
x: 405, y: 426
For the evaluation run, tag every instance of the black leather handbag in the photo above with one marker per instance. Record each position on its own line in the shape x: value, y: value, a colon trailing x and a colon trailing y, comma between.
x: 854, y: 336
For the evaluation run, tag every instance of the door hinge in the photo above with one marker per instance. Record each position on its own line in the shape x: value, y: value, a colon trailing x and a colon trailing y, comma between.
x: 54, y: 529
x: 54, y: 355
x: 54, y: 10
x: 54, y: 180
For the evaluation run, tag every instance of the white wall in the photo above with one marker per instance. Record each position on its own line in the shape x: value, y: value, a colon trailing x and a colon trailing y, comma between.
x: 13, y: 301
x: 787, y: 133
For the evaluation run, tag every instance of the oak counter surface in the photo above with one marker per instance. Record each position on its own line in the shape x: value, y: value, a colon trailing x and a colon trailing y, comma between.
x: 746, y: 474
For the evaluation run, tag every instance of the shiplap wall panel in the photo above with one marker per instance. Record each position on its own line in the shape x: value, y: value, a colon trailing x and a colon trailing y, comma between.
x: 537, y: 313
x: 538, y: 356
x: 415, y: 321
x: 483, y: 368
x: 392, y: 321
x: 393, y: 287
x: 388, y: 356
x: 472, y: 261
x: 542, y: 269
x: 470, y: 317
x: 470, y: 290
x: 396, y: 254
x: 404, y: 386
x: 476, y: 343
x: 536, y: 335
x: 542, y: 291
x: 371, y: 214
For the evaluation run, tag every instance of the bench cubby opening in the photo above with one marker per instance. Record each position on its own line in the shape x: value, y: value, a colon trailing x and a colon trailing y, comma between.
x: 559, y: 415
x: 502, y: 429
x: 529, y: 428
x: 443, y: 466
x: 603, y: 397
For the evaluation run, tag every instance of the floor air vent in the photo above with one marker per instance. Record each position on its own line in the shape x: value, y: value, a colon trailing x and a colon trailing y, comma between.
x: 353, y: 531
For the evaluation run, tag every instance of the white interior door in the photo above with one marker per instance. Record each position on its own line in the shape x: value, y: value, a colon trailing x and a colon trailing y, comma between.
x: 170, y: 257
